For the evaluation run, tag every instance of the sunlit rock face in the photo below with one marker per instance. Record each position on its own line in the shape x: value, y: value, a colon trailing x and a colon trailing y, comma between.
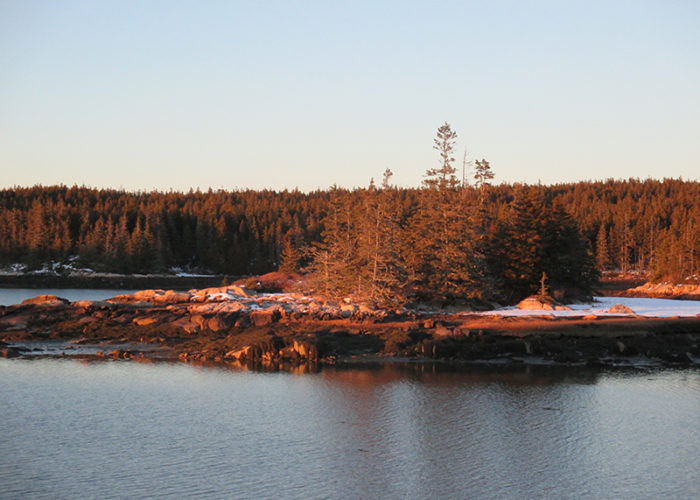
x: 670, y: 290
x: 230, y: 324
x: 621, y: 309
x: 535, y: 303
x: 46, y: 300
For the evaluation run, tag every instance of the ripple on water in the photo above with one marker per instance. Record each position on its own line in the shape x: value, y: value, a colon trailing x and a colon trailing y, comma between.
x: 127, y: 430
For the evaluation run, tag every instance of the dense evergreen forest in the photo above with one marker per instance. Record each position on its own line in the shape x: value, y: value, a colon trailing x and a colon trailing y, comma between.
x: 443, y: 241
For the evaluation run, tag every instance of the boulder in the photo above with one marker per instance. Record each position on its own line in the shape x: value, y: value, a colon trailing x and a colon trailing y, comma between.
x: 122, y: 299
x: 131, y: 300
x: 186, y: 324
x: 173, y: 297
x: 140, y: 305
x: 461, y: 330
x: 147, y: 295
x: 241, y: 291
x: 620, y: 309
x: 46, y: 300
x: 199, y: 320
x: 91, y: 304
x: 222, y: 293
x: 218, y: 323
x: 237, y: 353
x: 248, y: 353
x: 263, y: 318
x: 242, y: 321
x: 533, y: 303
x: 144, y: 321
x: 442, y: 331
x: 161, y: 297
x: 306, y: 350
x: 211, y: 308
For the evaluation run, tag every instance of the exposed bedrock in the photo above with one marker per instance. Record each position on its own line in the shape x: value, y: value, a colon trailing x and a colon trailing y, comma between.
x: 685, y: 291
x: 232, y: 324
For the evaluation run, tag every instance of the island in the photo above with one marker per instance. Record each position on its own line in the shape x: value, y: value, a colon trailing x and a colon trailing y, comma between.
x: 237, y: 326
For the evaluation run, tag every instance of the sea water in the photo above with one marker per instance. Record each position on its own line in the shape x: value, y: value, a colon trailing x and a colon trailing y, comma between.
x: 119, y: 429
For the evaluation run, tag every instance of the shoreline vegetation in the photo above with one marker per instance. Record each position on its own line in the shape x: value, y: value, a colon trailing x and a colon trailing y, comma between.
x: 239, y: 327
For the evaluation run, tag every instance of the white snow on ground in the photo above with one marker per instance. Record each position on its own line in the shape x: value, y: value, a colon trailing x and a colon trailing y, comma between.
x: 650, y: 308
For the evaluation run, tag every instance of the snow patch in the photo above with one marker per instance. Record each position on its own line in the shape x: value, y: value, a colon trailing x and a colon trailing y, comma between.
x: 648, y: 308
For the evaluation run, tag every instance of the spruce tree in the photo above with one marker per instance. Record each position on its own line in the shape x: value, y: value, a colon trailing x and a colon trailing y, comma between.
x: 333, y: 267
x: 292, y: 259
x: 380, y: 265
x: 440, y: 234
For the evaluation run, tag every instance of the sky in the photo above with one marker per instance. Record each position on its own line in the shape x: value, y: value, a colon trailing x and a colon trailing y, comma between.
x: 143, y: 95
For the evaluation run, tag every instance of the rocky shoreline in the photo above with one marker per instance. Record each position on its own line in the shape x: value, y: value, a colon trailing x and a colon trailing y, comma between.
x: 665, y: 291
x: 234, y: 325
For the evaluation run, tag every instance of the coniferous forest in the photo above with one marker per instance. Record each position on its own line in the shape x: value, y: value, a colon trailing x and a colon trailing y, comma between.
x: 444, y: 241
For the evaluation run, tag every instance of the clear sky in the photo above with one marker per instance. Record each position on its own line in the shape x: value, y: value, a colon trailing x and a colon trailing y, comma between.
x: 259, y: 94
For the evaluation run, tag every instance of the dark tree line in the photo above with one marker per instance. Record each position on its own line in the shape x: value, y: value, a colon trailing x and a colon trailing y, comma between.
x: 444, y: 241
x: 241, y: 232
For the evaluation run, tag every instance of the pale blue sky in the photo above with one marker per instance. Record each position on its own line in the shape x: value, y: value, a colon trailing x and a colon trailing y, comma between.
x: 146, y: 94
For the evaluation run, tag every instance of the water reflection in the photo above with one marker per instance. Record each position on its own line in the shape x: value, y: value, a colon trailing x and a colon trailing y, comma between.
x: 484, y: 418
x: 445, y: 374
x: 384, y: 430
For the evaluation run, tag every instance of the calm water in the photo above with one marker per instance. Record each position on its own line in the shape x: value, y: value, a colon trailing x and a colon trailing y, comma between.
x: 125, y: 430
x: 9, y: 296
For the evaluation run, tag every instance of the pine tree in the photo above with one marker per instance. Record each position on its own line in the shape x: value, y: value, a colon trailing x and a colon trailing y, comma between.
x: 440, y: 234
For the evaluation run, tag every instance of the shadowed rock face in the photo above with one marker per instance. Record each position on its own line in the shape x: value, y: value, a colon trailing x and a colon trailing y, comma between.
x: 228, y: 324
x: 9, y: 351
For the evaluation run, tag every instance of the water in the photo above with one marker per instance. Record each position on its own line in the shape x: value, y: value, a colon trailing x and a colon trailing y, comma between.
x: 10, y: 296
x: 128, y: 430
